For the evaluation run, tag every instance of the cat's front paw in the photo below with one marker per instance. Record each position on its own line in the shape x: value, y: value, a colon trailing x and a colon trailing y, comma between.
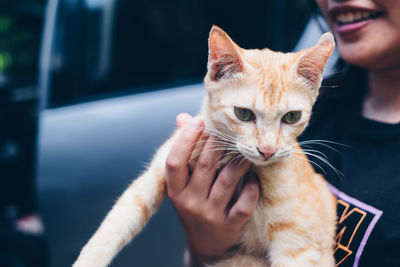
x: 89, y: 262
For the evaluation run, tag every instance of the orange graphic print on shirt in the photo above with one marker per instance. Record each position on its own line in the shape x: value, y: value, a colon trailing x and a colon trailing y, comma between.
x: 356, y: 221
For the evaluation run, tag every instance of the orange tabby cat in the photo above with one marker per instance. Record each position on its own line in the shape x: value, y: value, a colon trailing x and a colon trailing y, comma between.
x: 258, y: 102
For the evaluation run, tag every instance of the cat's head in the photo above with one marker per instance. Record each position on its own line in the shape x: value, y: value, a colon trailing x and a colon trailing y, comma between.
x: 259, y: 100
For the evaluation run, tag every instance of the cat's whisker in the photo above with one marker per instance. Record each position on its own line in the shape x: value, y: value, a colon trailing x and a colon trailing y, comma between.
x: 198, y: 151
x: 335, y: 143
x: 299, y: 143
x: 227, y: 154
x: 217, y: 139
x: 296, y: 154
x: 219, y: 144
x: 324, y: 160
x: 307, y: 146
x: 219, y: 134
x: 327, y: 163
x: 316, y: 164
x: 330, y: 86
x: 195, y: 155
x: 214, y: 133
x: 227, y: 145
x: 316, y: 151
x: 243, y: 159
x: 219, y: 149
x: 234, y: 158
x: 299, y: 160
x: 222, y: 138
x: 321, y: 156
x: 324, y: 143
x: 215, y: 143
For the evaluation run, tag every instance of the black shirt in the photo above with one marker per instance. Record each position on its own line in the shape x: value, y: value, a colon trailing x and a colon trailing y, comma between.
x: 368, y: 189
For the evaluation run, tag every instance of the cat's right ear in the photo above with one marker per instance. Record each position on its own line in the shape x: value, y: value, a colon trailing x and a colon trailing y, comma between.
x: 224, y: 56
x: 312, y: 63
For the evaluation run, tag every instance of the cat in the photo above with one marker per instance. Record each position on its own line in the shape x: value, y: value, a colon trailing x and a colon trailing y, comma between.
x: 262, y: 100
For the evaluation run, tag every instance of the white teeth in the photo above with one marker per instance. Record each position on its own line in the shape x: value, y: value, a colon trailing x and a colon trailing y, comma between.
x: 345, y: 17
x: 357, y: 15
x: 349, y: 17
x: 352, y: 16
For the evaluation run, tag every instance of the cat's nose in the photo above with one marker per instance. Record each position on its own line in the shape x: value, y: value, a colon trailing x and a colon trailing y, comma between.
x: 266, y: 152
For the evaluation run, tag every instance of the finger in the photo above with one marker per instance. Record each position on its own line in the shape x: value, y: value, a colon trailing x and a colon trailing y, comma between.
x: 242, y: 210
x: 225, y: 185
x: 206, y: 167
x: 182, y: 119
x: 176, y: 173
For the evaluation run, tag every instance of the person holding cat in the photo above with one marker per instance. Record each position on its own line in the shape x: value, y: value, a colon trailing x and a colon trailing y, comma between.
x: 357, y: 114
x: 258, y: 102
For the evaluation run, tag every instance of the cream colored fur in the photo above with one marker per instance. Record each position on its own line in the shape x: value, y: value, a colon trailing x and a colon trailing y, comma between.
x: 294, y: 221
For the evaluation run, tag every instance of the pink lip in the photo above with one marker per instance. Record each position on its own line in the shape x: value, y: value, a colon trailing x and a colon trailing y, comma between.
x: 352, y: 27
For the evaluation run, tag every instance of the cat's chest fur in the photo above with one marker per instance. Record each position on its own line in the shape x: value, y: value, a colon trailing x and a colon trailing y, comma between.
x: 291, y: 208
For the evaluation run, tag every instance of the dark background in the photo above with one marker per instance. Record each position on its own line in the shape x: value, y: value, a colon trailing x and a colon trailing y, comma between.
x: 157, y: 42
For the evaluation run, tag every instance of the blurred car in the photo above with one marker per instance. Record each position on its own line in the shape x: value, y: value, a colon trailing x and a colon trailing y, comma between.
x: 89, y: 153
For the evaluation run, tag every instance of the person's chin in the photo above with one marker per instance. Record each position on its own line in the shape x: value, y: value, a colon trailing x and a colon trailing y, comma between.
x: 365, y: 59
x: 356, y: 54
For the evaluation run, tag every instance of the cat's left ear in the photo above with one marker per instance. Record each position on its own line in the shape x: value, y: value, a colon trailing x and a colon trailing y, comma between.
x: 224, y: 56
x: 311, y: 64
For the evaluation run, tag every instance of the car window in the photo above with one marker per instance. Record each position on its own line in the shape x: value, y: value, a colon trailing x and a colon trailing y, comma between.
x: 103, y: 48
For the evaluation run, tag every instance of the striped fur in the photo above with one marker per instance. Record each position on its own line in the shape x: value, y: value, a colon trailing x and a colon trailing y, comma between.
x: 294, y: 221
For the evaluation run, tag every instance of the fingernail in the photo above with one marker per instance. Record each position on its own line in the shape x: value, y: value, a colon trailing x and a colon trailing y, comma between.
x: 197, y: 124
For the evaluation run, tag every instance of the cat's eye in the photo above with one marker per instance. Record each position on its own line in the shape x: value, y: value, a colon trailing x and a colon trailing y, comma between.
x: 244, y: 114
x: 291, y: 117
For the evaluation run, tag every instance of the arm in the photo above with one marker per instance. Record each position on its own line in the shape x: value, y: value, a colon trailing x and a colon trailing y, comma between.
x: 212, y: 227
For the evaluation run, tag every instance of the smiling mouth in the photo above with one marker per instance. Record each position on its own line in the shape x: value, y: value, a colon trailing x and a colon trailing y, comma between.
x: 349, y: 17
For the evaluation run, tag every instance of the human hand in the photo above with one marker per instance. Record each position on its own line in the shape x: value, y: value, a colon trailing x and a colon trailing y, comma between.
x: 212, y: 226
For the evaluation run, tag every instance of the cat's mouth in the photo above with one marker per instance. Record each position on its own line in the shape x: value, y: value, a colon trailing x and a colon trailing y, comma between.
x: 252, y: 157
x: 260, y: 161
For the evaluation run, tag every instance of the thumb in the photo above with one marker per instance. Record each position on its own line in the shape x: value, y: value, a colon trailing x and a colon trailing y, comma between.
x: 182, y: 119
